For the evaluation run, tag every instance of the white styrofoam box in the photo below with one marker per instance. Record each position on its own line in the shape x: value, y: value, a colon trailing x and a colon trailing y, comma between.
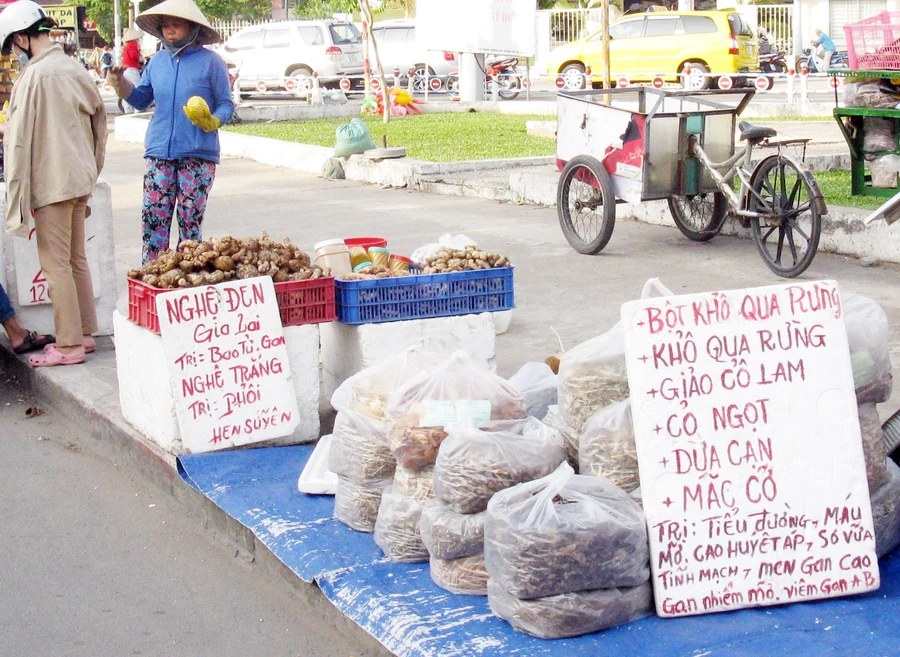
x: 348, y: 349
x: 20, y: 260
x: 145, y: 393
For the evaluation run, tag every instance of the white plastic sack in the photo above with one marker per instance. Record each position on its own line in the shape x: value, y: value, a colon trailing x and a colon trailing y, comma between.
x: 607, y: 449
x: 420, y: 255
x: 451, y: 535
x: 867, y: 334
x: 316, y: 478
x: 565, y: 533
x: 538, y: 385
x: 463, y: 576
x: 397, y: 528
x: 571, y: 437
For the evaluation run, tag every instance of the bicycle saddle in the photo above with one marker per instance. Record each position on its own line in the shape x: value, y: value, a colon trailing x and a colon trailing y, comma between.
x: 754, y: 133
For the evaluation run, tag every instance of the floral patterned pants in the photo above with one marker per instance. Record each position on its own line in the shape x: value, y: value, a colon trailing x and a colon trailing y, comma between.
x: 186, y: 182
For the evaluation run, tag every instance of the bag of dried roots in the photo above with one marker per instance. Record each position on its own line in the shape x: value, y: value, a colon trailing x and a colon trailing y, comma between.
x: 464, y: 576
x: 451, y: 535
x: 397, y: 528
x: 607, y: 449
x: 565, y: 533
x: 356, y: 504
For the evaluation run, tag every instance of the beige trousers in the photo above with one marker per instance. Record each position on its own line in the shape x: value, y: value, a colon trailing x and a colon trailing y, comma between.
x: 60, y: 241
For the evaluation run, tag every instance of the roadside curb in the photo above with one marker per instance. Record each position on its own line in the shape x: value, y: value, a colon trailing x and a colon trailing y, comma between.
x: 85, y: 398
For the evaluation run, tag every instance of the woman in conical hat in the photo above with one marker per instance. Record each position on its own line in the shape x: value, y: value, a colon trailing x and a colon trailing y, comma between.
x: 182, y: 142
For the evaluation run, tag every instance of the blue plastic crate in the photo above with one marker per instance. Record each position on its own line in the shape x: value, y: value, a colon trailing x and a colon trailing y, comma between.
x: 424, y: 295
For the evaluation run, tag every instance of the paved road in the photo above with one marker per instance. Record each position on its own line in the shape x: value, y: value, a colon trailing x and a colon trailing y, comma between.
x: 97, y: 564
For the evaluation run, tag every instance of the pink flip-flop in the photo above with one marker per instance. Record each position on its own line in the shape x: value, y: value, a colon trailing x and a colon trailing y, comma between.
x: 52, y: 357
x: 90, y: 345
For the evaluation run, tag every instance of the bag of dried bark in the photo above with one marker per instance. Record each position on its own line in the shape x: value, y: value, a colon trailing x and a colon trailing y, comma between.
x: 463, y: 576
x: 473, y: 464
x: 356, y: 504
x: 606, y: 447
x: 451, y: 535
x: 416, y: 484
x: 538, y: 385
x: 886, y: 513
x: 397, y: 528
x: 359, y: 449
x: 592, y: 376
x: 874, y: 447
x: 458, y: 390
x: 571, y: 614
x: 867, y: 334
x: 571, y: 438
x: 565, y: 533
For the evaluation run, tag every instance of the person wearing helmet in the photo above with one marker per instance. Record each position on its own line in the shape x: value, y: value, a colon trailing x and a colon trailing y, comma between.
x: 181, y: 149
x: 54, y: 143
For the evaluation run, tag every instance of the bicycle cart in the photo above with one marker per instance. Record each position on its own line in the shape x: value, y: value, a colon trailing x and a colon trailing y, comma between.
x: 642, y: 144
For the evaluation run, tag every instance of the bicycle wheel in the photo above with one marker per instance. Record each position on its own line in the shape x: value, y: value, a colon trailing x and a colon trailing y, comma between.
x: 699, y: 217
x: 586, y: 204
x: 786, y: 194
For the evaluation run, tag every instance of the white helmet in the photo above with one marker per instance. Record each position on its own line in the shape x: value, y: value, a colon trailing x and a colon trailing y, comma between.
x: 18, y: 16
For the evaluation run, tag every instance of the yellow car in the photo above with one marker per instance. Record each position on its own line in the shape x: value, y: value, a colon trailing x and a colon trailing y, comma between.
x: 643, y: 46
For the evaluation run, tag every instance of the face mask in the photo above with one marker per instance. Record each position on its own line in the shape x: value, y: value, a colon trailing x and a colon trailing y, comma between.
x: 23, y: 57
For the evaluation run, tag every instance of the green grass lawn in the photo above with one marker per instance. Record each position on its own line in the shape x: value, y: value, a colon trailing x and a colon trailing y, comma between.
x: 433, y: 137
x: 479, y: 136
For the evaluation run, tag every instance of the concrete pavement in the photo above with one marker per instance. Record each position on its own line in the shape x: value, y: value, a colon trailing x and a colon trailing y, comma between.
x: 557, y: 291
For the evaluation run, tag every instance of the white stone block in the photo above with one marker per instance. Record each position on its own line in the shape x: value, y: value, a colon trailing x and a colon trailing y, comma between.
x: 148, y: 404
x: 20, y: 260
x: 145, y: 392
x: 348, y: 349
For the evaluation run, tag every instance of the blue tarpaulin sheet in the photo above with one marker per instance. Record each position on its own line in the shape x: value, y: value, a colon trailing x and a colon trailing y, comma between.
x: 402, y: 608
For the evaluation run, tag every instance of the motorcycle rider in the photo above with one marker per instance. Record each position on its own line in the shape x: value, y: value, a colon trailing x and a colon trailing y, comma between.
x: 824, y: 41
x: 765, y: 48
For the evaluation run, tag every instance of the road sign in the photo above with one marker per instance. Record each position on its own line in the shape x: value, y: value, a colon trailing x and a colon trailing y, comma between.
x: 107, y: 87
x: 436, y: 84
x: 725, y: 83
x: 375, y: 84
x: 762, y: 83
x: 658, y: 82
x: 290, y: 85
x: 526, y: 82
x: 622, y: 82
x: 261, y: 86
x: 560, y: 82
x: 345, y: 84
x: 834, y: 82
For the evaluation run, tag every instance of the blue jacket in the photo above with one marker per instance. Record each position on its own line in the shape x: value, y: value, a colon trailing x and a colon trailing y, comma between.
x: 171, y: 81
x: 825, y: 41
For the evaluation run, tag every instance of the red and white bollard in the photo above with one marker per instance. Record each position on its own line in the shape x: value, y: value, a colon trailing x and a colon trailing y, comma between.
x: 588, y: 83
x: 396, y: 77
x: 804, y: 84
x: 411, y: 81
x: 790, y: 85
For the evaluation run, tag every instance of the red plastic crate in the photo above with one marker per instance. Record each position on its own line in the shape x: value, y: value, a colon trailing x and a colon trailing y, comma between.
x: 299, y: 302
x: 874, y: 43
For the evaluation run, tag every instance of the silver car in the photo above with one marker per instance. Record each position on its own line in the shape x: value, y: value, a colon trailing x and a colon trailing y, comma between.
x: 398, y: 48
x: 284, y: 55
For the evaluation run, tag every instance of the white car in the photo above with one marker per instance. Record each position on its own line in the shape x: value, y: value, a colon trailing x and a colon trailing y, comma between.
x: 398, y: 48
x: 272, y: 53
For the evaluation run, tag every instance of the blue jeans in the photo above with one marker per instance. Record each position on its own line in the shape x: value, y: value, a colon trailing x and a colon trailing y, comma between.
x: 6, y: 309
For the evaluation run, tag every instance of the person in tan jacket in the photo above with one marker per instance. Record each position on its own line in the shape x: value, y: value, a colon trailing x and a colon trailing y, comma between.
x: 54, y: 148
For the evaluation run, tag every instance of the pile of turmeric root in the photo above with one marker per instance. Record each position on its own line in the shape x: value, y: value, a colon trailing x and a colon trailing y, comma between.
x: 226, y: 258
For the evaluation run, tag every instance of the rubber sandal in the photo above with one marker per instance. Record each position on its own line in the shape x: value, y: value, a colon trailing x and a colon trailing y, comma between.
x: 33, y: 342
x: 52, y: 357
x: 89, y: 347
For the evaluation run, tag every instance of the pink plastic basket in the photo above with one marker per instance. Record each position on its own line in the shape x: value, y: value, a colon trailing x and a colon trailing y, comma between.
x: 874, y: 42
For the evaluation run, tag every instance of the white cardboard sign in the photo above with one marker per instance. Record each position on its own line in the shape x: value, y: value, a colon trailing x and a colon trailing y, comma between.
x: 228, y: 364
x: 748, y: 441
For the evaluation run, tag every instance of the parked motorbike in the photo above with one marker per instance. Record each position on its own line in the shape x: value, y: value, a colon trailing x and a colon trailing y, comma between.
x: 503, y: 70
x: 773, y: 62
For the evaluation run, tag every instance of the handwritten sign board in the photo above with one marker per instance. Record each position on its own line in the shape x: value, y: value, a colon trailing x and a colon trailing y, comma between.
x: 31, y: 283
x: 228, y: 364
x: 748, y: 440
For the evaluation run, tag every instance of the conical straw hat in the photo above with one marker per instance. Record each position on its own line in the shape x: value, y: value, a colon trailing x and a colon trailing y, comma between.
x: 132, y: 33
x: 149, y: 20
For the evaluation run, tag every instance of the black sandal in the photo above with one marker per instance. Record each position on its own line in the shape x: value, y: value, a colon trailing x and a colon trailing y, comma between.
x: 33, y: 342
